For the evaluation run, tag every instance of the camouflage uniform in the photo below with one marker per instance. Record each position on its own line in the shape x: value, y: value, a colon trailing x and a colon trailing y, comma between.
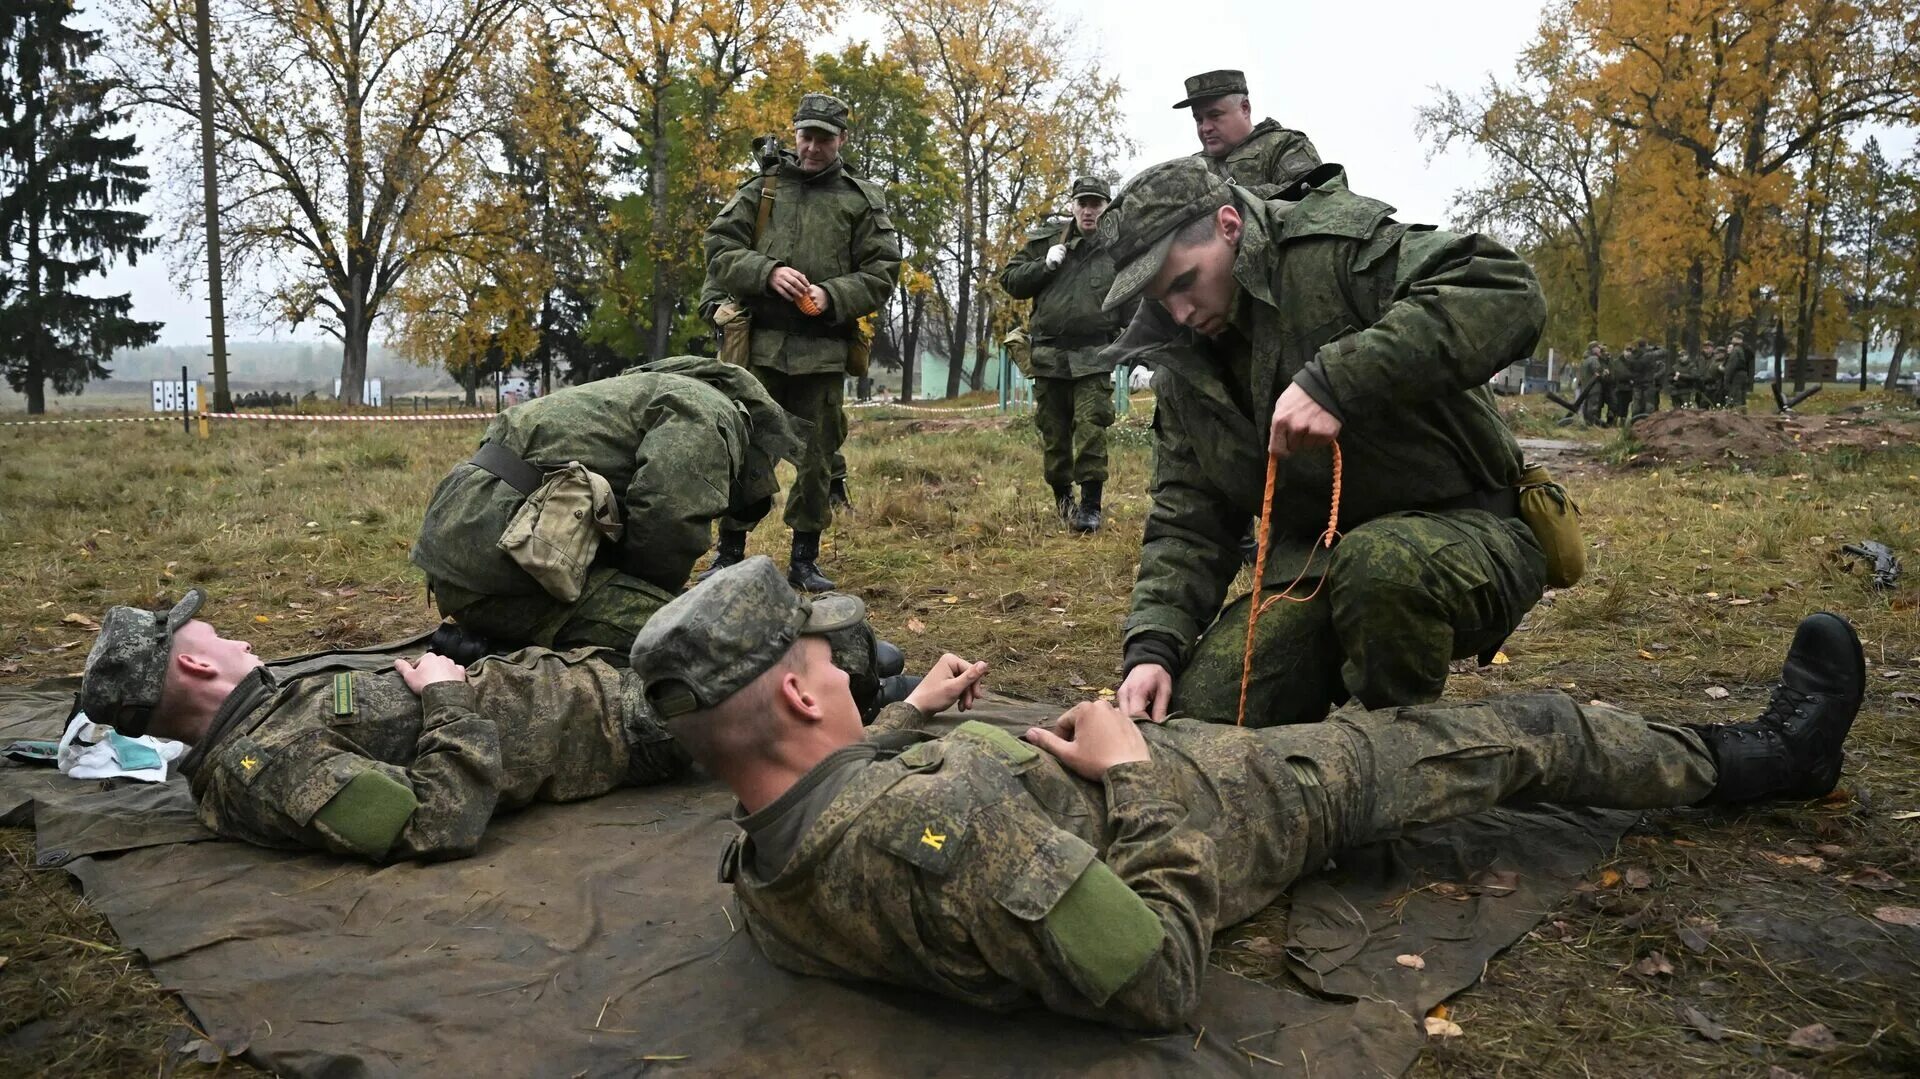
x: 1683, y: 388
x: 1647, y: 370
x: 1072, y: 384
x: 833, y: 227
x: 675, y: 442
x: 1620, y: 398
x: 1593, y: 387
x: 979, y: 868
x: 1736, y: 374
x: 1270, y: 155
x: 336, y: 753
x: 1434, y: 564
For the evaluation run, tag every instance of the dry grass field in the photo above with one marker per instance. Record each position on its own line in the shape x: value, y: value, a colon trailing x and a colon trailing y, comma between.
x: 1697, y: 575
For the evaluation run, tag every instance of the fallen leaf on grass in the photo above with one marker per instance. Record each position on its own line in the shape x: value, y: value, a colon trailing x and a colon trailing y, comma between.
x: 1411, y: 962
x: 1717, y: 693
x: 1814, y: 1038
x: 261, y: 618
x: 1654, y: 965
x: 914, y: 625
x: 1500, y: 659
x: 1702, y: 1025
x: 1908, y: 916
x: 1644, y: 654
x: 950, y: 599
x: 1804, y: 861
x: 1639, y: 879
x: 1872, y: 878
x: 1608, y: 879
x: 81, y: 620
x: 1443, y: 1028
x: 9, y: 667
x: 1695, y: 935
x: 1738, y: 602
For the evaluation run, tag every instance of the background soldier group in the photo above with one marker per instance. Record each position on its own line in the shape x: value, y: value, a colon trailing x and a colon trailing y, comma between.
x: 1616, y: 387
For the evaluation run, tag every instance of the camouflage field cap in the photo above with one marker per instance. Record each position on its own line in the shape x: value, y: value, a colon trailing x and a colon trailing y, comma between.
x: 1150, y: 210
x: 710, y: 642
x: 1091, y: 185
x: 1212, y: 84
x: 128, y: 663
x: 822, y: 111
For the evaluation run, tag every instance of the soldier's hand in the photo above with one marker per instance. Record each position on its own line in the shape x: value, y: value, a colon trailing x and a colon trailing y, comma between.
x: 788, y: 283
x: 1091, y: 738
x: 1056, y: 255
x: 1299, y: 423
x: 951, y: 681
x: 1145, y: 691
x: 820, y: 300
x: 431, y: 667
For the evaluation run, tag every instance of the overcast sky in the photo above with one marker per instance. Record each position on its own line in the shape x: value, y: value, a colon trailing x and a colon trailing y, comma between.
x: 1350, y: 74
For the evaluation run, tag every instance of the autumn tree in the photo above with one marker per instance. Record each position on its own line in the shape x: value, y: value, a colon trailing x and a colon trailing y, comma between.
x: 1019, y: 109
x: 1875, y: 219
x: 344, y: 130
x: 1551, y: 170
x: 63, y: 176
x: 671, y: 81
x: 1732, y: 101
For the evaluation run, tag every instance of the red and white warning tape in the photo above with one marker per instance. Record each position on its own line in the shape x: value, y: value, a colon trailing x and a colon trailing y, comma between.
x: 104, y: 419
x: 295, y: 417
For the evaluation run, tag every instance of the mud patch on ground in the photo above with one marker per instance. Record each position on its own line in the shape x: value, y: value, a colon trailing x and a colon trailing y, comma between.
x: 1711, y: 437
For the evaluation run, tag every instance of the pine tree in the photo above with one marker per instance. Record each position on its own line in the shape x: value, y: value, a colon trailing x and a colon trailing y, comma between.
x: 61, y: 176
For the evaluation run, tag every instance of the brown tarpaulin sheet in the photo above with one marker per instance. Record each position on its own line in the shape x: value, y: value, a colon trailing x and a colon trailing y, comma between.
x: 595, y: 939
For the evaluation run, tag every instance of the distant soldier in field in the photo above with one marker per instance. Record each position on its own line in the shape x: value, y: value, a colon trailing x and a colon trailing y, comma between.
x: 1736, y: 372
x: 1251, y: 155
x: 1646, y: 370
x: 1593, y: 393
x: 807, y: 248
x: 1684, y: 386
x: 678, y: 443
x: 1712, y: 390
x: 1066, y: 272
x: 1620, y: 392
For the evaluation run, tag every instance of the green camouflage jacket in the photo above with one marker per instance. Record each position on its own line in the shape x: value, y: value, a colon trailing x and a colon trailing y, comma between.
x: 672, y: 446
x: 1393, y: 328
x: 1069, y: 330
x: 1270, y: 156
x: 1647, y: 367
x: 831, y: 226
x: 979, y: 868
x: 340, y: 755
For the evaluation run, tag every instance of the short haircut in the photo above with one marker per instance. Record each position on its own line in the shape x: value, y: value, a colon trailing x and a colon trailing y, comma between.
x: 1197, y: 231
x: 742, y: 726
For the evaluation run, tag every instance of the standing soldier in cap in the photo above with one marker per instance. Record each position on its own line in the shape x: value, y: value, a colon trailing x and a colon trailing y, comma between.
x: 1620, y: 398
x: 1736, y: 372
x: 1237, y: 149
x: 1300, y: 322
x: 808, y: 251
x: 1593, y: 385
x: 1648, y: 370
x: 1065, y: 271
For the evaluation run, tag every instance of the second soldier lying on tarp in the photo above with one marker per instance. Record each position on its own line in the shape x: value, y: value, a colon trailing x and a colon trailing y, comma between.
x: 379, y: 759
x: 1087, y: 867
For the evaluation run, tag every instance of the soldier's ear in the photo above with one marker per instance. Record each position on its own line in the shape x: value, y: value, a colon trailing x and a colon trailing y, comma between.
x: 188, y: 665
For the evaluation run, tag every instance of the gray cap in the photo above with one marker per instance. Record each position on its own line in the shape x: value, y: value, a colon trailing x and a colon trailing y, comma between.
x: 1150, y: 209
x: 1212, y: 84
x: 822, y: 111
x: 1091, y: 185
x: 128, y: 663
x: 710, y: 642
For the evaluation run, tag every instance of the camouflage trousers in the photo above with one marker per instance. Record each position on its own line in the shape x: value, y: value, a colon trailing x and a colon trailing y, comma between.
x: 1073, y: 415
x: 1402, y: 596
x: 1593, y: 405
x: 816, y: 399
x: 1736, y: 393
x: 1621, y: 402
x: 610, y: 610
x: 1358, y: 778
x: 1685, y: 395
x: 1646, y: 400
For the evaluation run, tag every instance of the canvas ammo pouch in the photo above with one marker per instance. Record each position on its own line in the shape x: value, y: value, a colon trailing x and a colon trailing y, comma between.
x: 556, y: 531
x: 1555, y: 520
x: 735, y: 323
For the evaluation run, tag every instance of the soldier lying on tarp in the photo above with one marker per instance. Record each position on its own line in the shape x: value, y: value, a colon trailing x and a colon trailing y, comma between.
x: 1087, y: 866
x: 388, y: 763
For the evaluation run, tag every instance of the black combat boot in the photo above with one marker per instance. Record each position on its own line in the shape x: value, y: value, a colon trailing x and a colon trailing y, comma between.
x: 888, y: 660
x: 803, y: 570
x: 1793, y: 749
x: 1063, y: 501
x: 1086, y: 516
x: 731, y: 549
x: 837, y: 494
x: 464, y: 646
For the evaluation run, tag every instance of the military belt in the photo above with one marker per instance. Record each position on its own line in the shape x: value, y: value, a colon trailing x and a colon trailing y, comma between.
x: 1075, y: 340
x: 1504, y: 502
x: 512, y: 469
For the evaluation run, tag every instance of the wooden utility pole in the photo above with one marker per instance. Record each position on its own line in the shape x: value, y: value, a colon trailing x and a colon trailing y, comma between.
x: 216, y: 304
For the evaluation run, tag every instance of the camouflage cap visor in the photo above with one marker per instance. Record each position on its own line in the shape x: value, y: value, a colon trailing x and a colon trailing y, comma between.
x: 818, y: 124
x: 832, y: 611
x: 1133, y: 278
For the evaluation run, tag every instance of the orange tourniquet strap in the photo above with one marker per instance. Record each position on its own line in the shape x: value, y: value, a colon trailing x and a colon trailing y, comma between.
x: 1259, y: 606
